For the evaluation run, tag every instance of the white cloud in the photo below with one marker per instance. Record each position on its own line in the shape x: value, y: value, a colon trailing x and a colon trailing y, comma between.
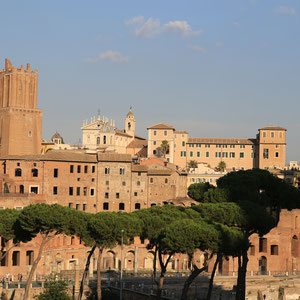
x: 197, y: 48
x: 152, y: 27
x: 180, y: 27
x: 148, y: 29
x: 112, y: 56
x: 135, y: 20
x: 285, y: 10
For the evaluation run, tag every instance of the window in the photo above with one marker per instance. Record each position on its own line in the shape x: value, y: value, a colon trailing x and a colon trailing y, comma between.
x: 106, y: 182
x: 232, y: 154
x: 264, y: 134
x: 29, y: 257
x: 117, y: 195
x: 78, y: 191
x: 106, y: 195
x: 191, y: 145
x: 154, y: 143
x: 121, y: 206
x: 276, y: 154
x: 34, y: 172
x: 207, y: 154
x: 183, y: 153
x: 154, y: 152
x: 135, y: 194
x: 241, y: 154
x: 232, y: 146
x: 191, y: 153
x: 139, y: 173
x: 3, y: 262
x: 122, y: 171
x: 272, y: 134
x: 225, y: 154
x: 242, y: 146
x: 138, y: 183
x: 55, y: 190
x: 55, y: 172
x: 218, y: 154
x: 93, y: 179
x: 106, y: 170
x: 166, y: 180
x: 105, y: 205
x: 198, y: 154
x: 78, y: 169
x: 71, y: 169
x: 183, y: 143
x: 77, y: 206
x: 124, y: 183
x: 85, y: 191
x: 151, y: 180
x: 29, y: 133
x: 70, y: 204
x: 21, y: 189
x: 18, y: 172
x: 84, y: 207
x: 92, y: 192
x: 207, y: 145
x: 263, y: 245
x: 86, y: 168
x: 224, y: 146
x: 34, y: 189
x: 198, y: 145
x: 71, y: 191
x: 98, y: 140
x: 154, y: 132
x: 93, y: 169
x: 16, y: 258
x: 165, y: 133
x: 274, y: 249
x: 137, y: 206
x: 266, y: 153
x: 104, y: 139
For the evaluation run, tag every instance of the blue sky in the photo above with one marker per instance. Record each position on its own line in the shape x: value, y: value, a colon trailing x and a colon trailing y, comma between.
x: 212, y: 67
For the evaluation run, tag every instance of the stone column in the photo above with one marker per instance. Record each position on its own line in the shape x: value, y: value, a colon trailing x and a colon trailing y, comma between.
x: 135, y: 259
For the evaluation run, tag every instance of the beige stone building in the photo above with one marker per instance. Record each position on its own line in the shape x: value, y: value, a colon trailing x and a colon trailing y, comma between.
x: 267, y: 150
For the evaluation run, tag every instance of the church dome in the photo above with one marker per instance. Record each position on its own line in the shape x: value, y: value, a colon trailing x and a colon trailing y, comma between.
x: 130, y: 113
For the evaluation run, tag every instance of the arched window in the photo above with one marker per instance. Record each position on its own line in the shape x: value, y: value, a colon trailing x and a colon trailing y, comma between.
x: 18, y: 172
x: 129, y: 126
x: 35, y: 172
x: 294, y: 246
x: 104, y: 139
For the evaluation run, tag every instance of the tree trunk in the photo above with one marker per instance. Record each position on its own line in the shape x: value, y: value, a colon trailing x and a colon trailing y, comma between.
x: 160, y: 285
x: 154, y: 266
x: 163, y: 269
x: 241, y: 284
x: 190, y: 280
x: 99, y: 292
x: 45, y: 239
x: 85, y: 273
x: 211, y: 281
x: 238, y: 284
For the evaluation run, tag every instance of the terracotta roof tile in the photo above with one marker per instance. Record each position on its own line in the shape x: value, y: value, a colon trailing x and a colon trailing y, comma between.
x: 272, y: 128
x: 114, y: 157
x: 121, y: 132
x: 161, y: 126
x: 221, y: 141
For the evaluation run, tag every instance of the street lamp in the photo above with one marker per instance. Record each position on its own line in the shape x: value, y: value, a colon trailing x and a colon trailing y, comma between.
x: 121, y: 270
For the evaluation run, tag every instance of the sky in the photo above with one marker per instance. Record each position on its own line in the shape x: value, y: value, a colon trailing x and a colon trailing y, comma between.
x: 212, y: 67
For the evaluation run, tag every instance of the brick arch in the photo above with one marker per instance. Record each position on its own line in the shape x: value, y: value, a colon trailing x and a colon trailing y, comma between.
x: 295, y: 246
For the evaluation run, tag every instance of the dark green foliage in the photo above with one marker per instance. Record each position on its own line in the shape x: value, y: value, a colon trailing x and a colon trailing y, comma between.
x: 196, y: 190
x: 55, y: 289
x: 215, y: 196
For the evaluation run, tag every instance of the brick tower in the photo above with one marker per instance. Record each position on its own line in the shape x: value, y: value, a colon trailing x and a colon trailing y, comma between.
x: 20, y: 120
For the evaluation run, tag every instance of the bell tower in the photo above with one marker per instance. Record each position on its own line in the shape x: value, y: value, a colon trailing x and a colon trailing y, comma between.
x: 130, y: 123
x: 20, y: 120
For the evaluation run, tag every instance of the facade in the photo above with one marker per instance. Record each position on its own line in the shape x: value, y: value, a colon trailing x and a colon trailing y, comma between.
x: 20, y: 120
x: 266, y: 151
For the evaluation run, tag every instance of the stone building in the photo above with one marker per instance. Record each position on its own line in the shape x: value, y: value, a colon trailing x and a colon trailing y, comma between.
x: 267, y: 150
x: 20, y: 120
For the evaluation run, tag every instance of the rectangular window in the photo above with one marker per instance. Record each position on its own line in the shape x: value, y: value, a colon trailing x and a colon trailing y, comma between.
x: 241, y: 154
x: 106, y: 195
x: 105, y: 205
x: 276, y: 154
x: 264, y: 134
x: 92, y: 192
x: 71, y: 169
x: 165, y: 133
x: 266, y: 153
x: 124, y: 183
x: 106, y: 182
x: 84, y: 207
x: 207, y: 154
x: 86, y: 168
x: 198, y: 154
x: 121, y: 206
x: 224, y: 146
x: 154, y: 143
x: 183, y: 143
x: 77, y: 206
x: 272, y: 134
x: 29, y: 257
x: 78, y: 191
x: 274, y: 250
x: 85, y: 191
x: 55, y: 190
x: 106, y: 171
x: 70, y: 204
x: 122, y: 171
x: 117, y: 195
x: 242, y: 146
x: 191, y: 153
x: 78, y: 169
x: 34, y: 189
x: 218, y: 146
x: 232, y: 146
x: 263, y: 245
x: 71, y: 191
x: 207, y: 145
x: 252, y: 155
x: 135, y: 194
x: 154, y: 132
x: 55, y: 172
x: 232, y: 154
x: 93, y: 169
x: 225, y: 154
x: 218, y: 154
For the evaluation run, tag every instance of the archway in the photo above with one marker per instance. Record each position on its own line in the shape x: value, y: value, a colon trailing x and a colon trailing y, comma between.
x: 294, y: 246
x: 262, y: 264
x: 130, y: 260
x: 109, y: 260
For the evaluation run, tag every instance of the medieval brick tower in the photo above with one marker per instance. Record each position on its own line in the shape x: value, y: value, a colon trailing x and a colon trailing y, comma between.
x: 20, y: 120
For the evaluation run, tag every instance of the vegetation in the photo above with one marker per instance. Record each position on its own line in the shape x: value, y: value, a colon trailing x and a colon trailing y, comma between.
x: 221, y: 166
x: 196, y: 191
x: 165, y: 147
